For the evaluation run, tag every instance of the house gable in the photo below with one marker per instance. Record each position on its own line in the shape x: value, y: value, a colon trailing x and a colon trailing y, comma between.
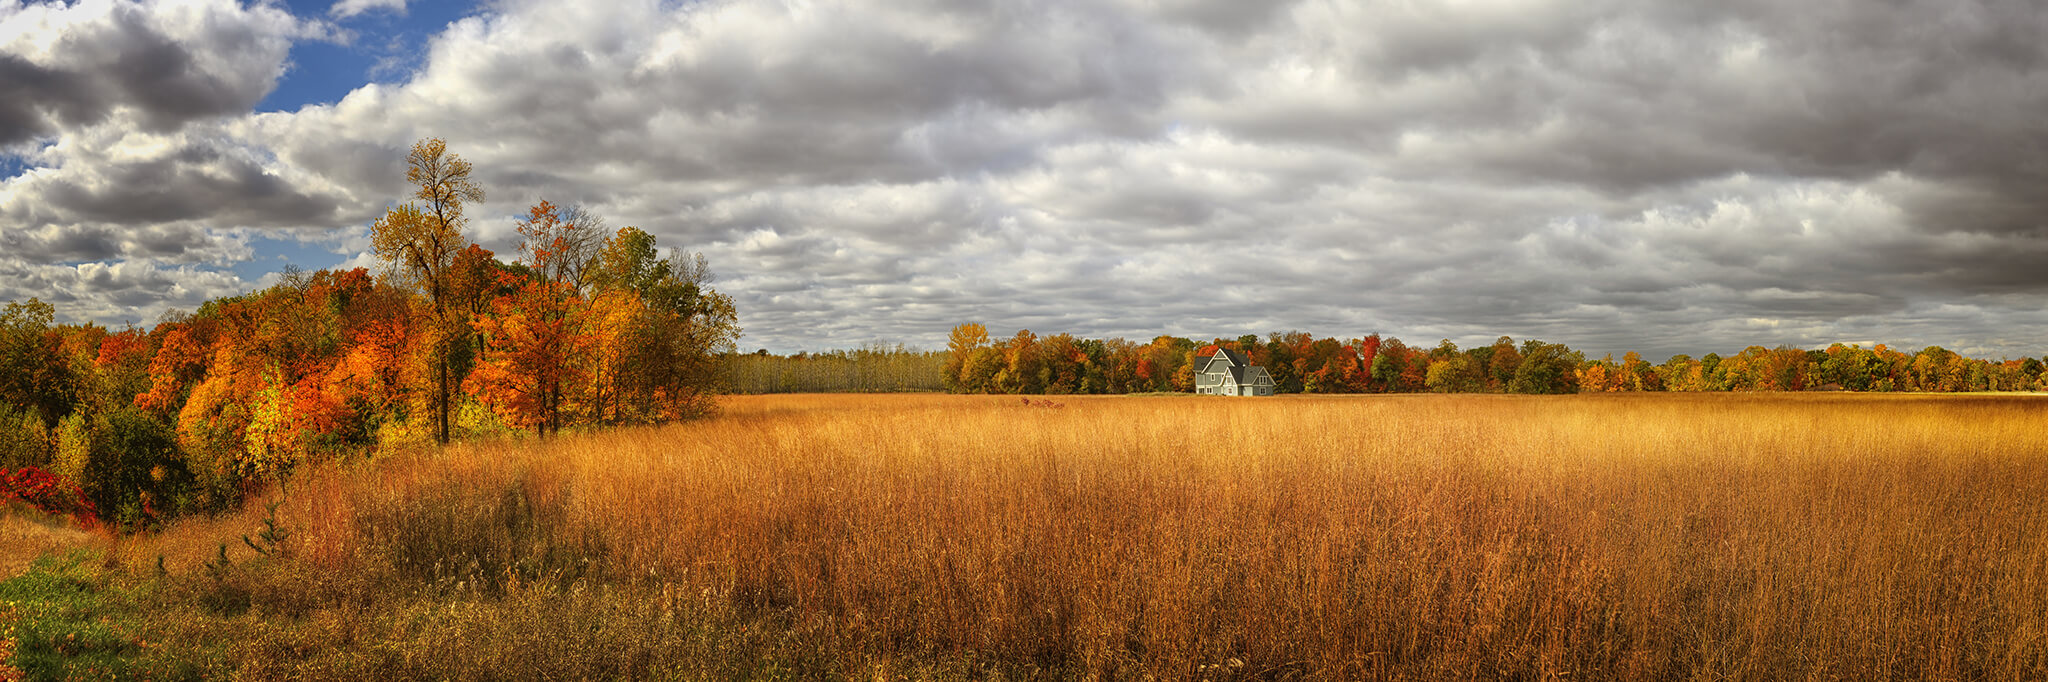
x: 1230, y: 358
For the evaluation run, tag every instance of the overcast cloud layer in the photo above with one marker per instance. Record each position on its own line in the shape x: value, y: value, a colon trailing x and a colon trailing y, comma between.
x: 1657, y: 176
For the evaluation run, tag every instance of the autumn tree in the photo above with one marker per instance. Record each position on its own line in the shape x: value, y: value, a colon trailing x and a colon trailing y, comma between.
x: 562, y: 244
x: 1939, y: 369
x: 1023, y: 367
x: 1502, y: 363
x: 473, y: 284
x: 1451, y: 371
x: 961, y: 344
x: 296, y: 334
x: 33, y: 371
x: 1390, y: 367
x: 684, y: 325
x: 1170, y: 370
x: 121, y: 365
x: 1638, y: 374
x: 183, y: 346
x: 1681, y: 373
x: 535, y: 339
x: 373, y: 372
x: 264, y: 400
x: 1066, y: 364
x: 1546, y: 368
x: 1121, y: 375
x: 1343, y: 370
x: 418, y: 240
x: 1892, y: 371
x: 1285, y: 360
x: 1598, y: 376
x: 536, y: 344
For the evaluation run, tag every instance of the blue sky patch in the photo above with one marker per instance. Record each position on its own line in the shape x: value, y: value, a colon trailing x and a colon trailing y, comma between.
x: 11, y: 165
x: 385, y: 46
x: 273, y: 253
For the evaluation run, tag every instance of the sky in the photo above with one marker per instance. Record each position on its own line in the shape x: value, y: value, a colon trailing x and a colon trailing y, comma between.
x: 1666, y: 176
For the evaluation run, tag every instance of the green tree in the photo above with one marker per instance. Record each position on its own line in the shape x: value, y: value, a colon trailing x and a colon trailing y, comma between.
x: 1711, y: 376
x: 1546, y: 368
x: 685, y: 327
x: 1454, y: 373
x: 134, y: 470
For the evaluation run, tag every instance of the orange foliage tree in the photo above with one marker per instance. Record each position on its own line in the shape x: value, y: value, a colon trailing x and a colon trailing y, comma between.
x: 535, y: 340
x: 535, y: 345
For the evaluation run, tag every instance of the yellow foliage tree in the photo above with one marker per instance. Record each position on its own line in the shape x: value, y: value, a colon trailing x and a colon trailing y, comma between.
x: 419, y: 242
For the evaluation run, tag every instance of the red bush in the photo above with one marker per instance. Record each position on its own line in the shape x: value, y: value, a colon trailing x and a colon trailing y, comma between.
x: 48, y: 492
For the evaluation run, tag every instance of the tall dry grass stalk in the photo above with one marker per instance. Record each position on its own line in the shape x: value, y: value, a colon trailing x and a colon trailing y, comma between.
x: 1410, y: 537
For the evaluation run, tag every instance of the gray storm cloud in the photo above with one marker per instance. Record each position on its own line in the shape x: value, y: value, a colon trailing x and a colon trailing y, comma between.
x: 1661, y: 176
x: 65, y: 67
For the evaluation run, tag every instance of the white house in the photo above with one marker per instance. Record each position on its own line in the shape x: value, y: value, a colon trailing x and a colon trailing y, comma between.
x: 1229, y: 372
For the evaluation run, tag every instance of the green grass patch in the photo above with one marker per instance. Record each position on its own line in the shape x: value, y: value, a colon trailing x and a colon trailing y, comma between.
x: 68, y: 622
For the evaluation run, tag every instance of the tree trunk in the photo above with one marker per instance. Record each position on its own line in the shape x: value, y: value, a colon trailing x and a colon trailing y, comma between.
x: 441, y: 398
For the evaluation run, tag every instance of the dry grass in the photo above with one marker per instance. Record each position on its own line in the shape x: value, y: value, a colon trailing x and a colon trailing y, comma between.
x: 1411, y: 537
x: 25, y: 534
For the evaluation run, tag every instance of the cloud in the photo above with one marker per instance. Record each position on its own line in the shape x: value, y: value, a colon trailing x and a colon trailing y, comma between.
x: 1648, y: 176
x: 116, y: 177
x: 350, y: 8
x: 66, y: 67
x: 130, y: 292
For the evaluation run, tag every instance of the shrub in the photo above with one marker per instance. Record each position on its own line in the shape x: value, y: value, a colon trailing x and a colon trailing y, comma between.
x: 49, y: 494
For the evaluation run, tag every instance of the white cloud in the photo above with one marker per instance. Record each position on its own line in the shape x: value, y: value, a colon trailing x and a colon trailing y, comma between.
x: 349, y: 8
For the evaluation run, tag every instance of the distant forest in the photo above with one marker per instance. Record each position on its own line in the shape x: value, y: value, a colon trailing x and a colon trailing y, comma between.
x: 1026, y: 363
x: 873, y: 367
x: 1302, y: 363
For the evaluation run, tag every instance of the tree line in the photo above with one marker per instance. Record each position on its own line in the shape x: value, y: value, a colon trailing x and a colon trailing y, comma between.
x: 873, y: 367
x: 1302, y: 363
x: 586, y: 326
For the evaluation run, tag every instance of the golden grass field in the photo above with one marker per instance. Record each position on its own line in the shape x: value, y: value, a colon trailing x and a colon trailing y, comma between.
x: 1651, y: 537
